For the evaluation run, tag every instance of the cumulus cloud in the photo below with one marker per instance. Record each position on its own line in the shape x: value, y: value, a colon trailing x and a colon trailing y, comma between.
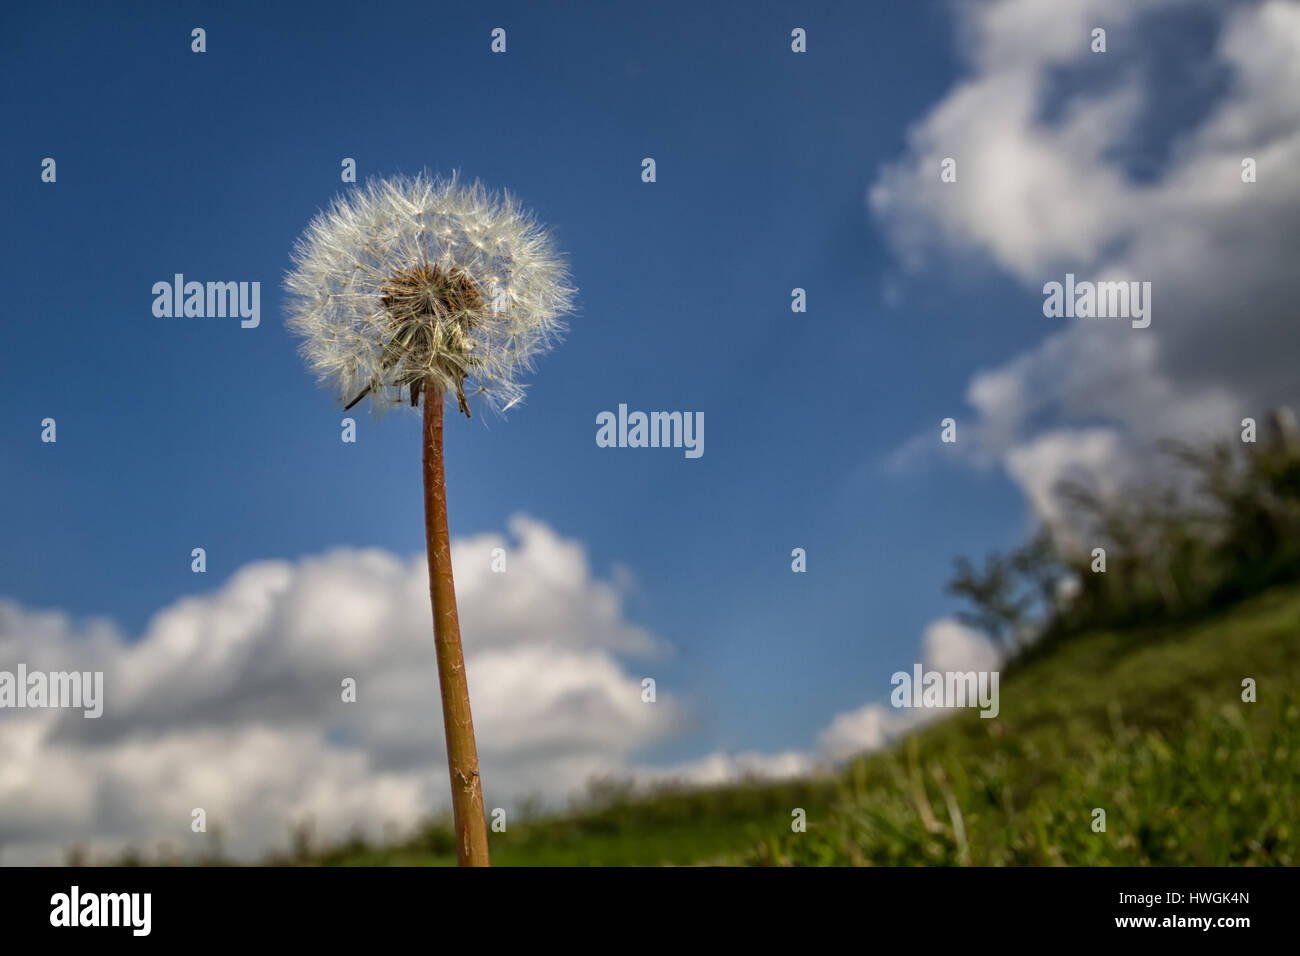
x: 1048, y: 137
x: 720, y: 768
x: 231, y: 701
x: 948, y: 646
x: 865, y: 729
x: 951, y: 645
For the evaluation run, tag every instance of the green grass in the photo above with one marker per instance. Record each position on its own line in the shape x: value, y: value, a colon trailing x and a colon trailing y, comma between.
x: 1148, y: 725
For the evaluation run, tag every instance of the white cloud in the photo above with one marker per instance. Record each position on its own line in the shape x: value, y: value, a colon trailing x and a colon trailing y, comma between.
x: 719, y: 768
x: 1088, y: 457
x: 868, y: 728
x: 230, y: 701
x: 952, y: 646
x: 948, y: 645
x: 1043, y: 189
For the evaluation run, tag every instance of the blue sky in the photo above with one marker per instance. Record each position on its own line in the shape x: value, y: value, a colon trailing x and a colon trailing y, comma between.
x: 175, y: 433
x: 179, y: 433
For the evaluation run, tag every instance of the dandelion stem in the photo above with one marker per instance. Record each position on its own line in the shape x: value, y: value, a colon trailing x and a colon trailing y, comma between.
x: 462, y: 755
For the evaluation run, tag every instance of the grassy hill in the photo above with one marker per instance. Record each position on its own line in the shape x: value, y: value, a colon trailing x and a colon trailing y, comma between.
x: 1148, y: 725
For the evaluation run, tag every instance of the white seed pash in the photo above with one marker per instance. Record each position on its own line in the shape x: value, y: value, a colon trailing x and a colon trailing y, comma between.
x: 420, y: 283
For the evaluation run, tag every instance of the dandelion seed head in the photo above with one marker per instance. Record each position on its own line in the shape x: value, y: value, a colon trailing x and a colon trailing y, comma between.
x: 420, y: 284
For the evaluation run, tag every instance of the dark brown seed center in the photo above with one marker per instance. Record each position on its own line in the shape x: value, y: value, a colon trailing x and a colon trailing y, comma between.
x: 425, y: 292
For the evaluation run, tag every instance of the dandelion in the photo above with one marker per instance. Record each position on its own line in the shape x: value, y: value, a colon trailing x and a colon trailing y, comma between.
x: 422, y: 287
